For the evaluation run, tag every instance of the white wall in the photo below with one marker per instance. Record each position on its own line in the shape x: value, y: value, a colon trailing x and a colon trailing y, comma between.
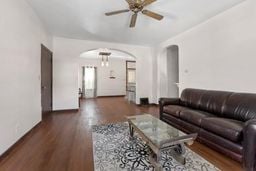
x: 217, y: 54
x: 105, y: 85
x: 21, y: 35
x: 66, y: 65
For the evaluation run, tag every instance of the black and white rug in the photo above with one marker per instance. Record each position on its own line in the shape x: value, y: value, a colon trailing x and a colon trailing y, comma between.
x: 113, y: 151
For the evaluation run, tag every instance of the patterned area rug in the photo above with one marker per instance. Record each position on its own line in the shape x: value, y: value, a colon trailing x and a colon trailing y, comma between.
x: 113, y: 151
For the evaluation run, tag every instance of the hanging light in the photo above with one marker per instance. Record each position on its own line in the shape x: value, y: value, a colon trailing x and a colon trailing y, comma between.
x: 107, y: 63
x: 104, y: 54
x: 102, y: 60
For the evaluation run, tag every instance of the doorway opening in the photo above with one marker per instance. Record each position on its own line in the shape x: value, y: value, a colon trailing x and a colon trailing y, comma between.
x: 46, y: 80
x: 173, y: 70
x: 110, y: 73
x: 131, y: 81
x: 89, y: 82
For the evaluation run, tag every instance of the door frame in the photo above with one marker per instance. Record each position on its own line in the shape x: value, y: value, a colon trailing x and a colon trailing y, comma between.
x: 43, y: 47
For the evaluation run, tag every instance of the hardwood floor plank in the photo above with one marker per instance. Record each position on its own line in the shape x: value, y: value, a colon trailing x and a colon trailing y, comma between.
x: 63, y: 141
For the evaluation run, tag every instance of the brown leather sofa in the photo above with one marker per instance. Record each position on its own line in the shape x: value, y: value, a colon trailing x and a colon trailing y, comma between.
x: 224, y: 121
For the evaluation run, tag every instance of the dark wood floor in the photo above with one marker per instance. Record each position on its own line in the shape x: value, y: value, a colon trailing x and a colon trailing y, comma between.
x: 63, y: 141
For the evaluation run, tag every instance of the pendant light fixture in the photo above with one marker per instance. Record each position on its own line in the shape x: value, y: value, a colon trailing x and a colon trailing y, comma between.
x: 104, y: 54
x: 107, y: 63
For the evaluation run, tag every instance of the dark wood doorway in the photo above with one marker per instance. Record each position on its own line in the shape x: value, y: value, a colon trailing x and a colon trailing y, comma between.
x: 46, y: 80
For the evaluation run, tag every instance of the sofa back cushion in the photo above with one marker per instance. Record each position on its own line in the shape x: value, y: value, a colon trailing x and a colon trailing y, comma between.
x: 239, y: 106
x: 213, y: 101
x: 191, y: 98
x: 206, y: 100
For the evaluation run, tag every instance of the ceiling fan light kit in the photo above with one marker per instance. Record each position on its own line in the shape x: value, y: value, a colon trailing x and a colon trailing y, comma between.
x: 137, y: 6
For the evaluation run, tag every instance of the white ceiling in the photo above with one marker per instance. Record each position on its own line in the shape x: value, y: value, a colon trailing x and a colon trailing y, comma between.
x: 85, y: 19
x: 115, y: 54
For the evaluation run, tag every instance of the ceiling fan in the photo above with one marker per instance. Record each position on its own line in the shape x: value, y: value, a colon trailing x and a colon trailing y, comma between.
x: 137, y: 6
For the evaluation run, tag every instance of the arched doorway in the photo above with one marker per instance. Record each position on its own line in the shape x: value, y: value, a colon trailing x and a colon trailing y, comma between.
x: 173, y: 70
x: 108, y: 74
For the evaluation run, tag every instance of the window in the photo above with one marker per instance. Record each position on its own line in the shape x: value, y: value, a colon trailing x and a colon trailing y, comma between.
x: 89, y: 78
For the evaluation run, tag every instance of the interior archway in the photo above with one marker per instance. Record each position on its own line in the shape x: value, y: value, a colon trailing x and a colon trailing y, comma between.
x: 112, y: 78
x: 115, y: 53
x: 172, y: 62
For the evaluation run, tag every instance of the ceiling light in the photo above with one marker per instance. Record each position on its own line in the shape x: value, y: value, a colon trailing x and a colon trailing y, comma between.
x: 104, y: 54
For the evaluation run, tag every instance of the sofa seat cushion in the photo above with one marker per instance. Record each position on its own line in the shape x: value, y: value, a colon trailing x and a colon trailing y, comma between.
x: 194, y: 116
x: 227, y: 128
x: 174, y: 110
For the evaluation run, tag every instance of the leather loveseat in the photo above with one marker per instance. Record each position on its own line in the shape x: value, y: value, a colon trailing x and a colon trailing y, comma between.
x: 224, y: 121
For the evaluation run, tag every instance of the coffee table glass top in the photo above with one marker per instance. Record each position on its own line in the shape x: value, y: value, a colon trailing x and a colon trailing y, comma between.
x: 154, y: 129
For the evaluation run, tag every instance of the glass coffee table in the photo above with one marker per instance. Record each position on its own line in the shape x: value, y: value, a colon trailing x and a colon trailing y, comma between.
x: 160, y: 136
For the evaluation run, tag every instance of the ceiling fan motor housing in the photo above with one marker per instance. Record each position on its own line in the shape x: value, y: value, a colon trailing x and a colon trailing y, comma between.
x: 136, y: 8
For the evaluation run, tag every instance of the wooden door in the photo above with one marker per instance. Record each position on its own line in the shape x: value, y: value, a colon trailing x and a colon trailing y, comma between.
x: 46, y: 79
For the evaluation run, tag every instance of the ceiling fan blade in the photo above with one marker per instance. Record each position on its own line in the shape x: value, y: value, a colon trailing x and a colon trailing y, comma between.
x: 116, y: 12
x: 133, y: 20
x: 147, y: 2
x: 152, y: 14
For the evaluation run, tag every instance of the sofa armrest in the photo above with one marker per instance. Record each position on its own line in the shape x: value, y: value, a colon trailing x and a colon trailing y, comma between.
x: 167, y: 101
x: 249, y: 145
